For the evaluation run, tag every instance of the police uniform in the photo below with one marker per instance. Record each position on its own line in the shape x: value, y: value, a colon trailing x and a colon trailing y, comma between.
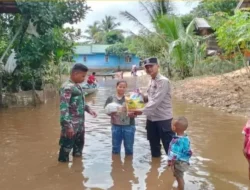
x: 159, y: 112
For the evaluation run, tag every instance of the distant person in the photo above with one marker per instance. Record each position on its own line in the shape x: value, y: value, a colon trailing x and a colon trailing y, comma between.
x: 123, y: 123
x: 179, y: 151
x: 135, y: 71
x: 92, y: 79
x: 121, y: 75
x: 246, y: 145
x: 132, y: 70
x: 158, y: 109
x: 72, y: 108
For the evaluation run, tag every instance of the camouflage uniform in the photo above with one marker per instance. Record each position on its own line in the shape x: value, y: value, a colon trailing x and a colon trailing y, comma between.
x: 72, y: 107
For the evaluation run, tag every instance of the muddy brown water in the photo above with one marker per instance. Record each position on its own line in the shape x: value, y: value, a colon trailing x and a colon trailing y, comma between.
x: 29, y: 149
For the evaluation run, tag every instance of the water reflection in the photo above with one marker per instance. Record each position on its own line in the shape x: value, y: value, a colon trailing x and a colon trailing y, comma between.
x: 159, y: 177
x: 123, y: 173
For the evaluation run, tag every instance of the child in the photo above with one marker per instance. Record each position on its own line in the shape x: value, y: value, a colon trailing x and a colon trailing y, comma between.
x: 123, y: 124
x: 179, y: 151
x: 246, y: 145
x: 92, y: 79
x: 72, y: 107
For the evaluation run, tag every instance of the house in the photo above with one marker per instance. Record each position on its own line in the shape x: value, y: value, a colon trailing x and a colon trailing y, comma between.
x: 243, y: 5
x: 94, y: 57
x: 202, y: 28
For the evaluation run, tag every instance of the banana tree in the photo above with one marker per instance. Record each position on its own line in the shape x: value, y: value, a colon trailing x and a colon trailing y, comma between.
x: 182, y: 44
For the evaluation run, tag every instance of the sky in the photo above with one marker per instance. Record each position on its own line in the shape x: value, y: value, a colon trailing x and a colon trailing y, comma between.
x: 100, y: 8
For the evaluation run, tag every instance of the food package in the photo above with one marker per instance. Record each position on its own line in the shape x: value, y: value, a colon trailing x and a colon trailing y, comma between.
x: 134, y: 102
x: 112, y: 107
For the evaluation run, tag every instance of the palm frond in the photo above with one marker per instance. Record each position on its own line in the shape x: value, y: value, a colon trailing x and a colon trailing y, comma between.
x: 190, y: 27
x: 132, y: 18
x: 145, y: 8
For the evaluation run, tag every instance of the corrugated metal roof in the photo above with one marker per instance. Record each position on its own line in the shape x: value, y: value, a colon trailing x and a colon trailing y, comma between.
x: 86, y: 49
x: 90, y: 49
x: 243, y: 4
x: 99, y: 48
x: 201, y: 23
x: 239, y: 4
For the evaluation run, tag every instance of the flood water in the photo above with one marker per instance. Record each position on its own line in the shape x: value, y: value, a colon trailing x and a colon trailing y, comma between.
x: 29, y: 150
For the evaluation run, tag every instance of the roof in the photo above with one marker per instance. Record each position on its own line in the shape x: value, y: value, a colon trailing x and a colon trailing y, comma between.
x: 201, y: 23
x: 83, y: 49
x: 91, y: 49
x: 243, y: 4
x: 8, y: 6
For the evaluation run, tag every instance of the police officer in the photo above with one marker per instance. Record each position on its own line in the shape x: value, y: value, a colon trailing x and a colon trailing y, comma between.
x: 158, y: 109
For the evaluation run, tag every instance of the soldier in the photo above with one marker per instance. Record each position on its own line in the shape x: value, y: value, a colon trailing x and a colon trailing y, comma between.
x: 158, y: 109
x: 72, y: 107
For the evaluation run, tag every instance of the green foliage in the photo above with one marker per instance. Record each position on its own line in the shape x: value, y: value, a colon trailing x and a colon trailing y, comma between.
x: 215, y: 11
x: 118, y: 49
x: 186, y: 19
x: 104, y: 32
x: 93, y: 33
x: 182, y: 45
x: 215, y: 65
x: 39, y: 57
x: 109, y: 24
x: 218, y: 19
x: 234, y: 32
x: 147, y: 45
x: 48, y: 14
x: 208, y: 7
x: 6, y: 21
x: 113, y: 37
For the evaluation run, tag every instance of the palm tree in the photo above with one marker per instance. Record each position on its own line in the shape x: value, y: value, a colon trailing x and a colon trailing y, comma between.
x: 109, y: 24
x: 94, y: 33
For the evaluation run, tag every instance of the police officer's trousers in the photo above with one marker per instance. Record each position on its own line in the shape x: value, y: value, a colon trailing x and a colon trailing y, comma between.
x: 77, y: 143
x: 159, y: 131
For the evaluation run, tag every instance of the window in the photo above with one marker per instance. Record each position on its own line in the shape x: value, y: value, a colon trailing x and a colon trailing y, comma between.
x: 128, y: 59
x: 106, y: 58
x: 84, y: 58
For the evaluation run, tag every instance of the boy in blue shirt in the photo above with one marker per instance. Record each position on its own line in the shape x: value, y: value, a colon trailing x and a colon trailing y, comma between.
x: 179, y: 151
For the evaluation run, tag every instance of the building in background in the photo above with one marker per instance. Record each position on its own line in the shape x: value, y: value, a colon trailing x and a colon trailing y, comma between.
x: 202, y: 28
x: 243, y: 5
x: 94, y: 57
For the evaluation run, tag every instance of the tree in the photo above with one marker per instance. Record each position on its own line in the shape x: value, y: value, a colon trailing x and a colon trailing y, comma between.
x: 109, y: 24
x: 93, y: 33
x: 208, y: 7
x: 34, y: 54
x: 182, y: 44
x: 118, y: 49
x: 104, y: 32
x: 234, y: 35
x: 113, y: 37
x: 186, y: 19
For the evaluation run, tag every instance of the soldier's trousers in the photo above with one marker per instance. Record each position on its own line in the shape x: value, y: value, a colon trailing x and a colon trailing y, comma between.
x: 77, y: 143
x: 159, y: 131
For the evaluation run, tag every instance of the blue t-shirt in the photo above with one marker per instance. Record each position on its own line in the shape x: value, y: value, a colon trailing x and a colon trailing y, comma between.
x: 179, y: 149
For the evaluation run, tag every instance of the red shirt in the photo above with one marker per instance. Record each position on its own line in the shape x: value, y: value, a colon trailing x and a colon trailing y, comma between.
x: 91, y: 79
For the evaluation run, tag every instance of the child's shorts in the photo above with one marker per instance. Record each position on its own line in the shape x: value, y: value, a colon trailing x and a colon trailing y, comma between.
x: 179, y: 168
